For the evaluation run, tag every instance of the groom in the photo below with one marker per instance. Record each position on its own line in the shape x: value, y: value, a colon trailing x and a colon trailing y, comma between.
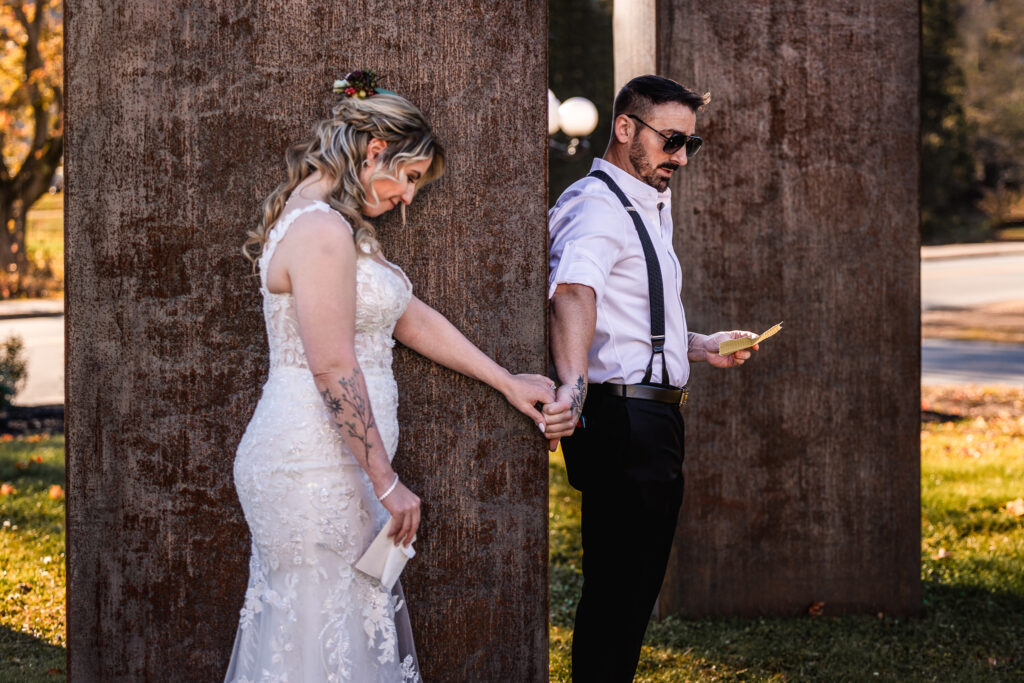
x: 622, y: 352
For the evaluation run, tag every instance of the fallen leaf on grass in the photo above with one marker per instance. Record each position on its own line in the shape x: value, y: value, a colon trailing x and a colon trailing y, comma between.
x: 1016, y: 507
x: 56, y: 492
x: 21, y: 464
x: 943, y: 554
x: 7, y: 490
x: 7, y: 437
x: 816, y: 609
x: 54, y: 672
x: 38, y: 458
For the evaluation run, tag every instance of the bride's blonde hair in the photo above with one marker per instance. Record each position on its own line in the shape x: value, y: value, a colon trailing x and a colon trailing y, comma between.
x: 338, y: 149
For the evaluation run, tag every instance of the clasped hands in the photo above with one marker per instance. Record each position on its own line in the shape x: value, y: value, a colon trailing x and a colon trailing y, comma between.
x: 561, y: 406
x: 562, y: 415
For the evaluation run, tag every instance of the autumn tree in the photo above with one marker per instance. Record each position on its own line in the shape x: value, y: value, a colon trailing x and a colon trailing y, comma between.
x: 948, y: 186
x: 31, y: 115
x: 993, y: 65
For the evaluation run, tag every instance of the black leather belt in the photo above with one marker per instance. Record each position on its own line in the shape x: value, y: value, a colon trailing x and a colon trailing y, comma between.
x: 648, y: 393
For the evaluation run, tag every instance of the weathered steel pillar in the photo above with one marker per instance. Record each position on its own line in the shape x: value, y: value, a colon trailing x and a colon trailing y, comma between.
x: 803, y: 466
x: 178, y: 117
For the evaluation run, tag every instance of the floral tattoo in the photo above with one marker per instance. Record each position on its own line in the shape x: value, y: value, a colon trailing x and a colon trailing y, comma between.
x: 577, y: 397
x: 351, y: 410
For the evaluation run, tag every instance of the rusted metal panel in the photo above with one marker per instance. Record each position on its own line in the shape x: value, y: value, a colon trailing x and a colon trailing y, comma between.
x: 178, y: 116
x: 803, y: 466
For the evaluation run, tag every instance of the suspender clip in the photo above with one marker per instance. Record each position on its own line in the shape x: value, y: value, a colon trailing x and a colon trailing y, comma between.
x: 658, y: 343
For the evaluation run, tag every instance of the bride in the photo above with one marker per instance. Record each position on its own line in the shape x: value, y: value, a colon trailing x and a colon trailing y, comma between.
x: 313, y: 470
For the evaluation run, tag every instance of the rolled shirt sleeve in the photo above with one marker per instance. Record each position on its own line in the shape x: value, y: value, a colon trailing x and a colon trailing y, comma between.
x: 586, y: 239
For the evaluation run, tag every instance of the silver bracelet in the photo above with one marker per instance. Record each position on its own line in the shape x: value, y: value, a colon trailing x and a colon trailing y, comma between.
x: 391, y: 488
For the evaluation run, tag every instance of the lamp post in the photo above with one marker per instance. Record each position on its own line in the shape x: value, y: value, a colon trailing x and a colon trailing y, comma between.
x: 576, y: 117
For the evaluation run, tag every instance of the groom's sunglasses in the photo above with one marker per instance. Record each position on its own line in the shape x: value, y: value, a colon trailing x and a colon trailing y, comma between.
x: 675, y: 141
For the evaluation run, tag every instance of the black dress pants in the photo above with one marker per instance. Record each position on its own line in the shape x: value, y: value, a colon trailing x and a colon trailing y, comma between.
x: 627, y: 460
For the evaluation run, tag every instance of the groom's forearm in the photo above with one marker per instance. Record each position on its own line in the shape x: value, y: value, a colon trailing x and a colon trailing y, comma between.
x: 696, y: 343
x: 573, y: 317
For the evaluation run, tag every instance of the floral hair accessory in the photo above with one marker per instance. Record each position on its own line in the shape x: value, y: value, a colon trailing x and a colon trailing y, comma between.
x: 360, y: 84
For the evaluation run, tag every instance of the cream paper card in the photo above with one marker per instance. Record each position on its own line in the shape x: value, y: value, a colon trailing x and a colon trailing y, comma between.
x: 384, y: 560
x: 731, y: 346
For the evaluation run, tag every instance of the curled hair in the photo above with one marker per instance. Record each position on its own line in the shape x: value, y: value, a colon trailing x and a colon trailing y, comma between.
x: 643, y: 92
x: 337, y: 150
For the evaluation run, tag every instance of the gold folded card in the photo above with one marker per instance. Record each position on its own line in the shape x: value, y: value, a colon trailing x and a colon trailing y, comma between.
x: 731, y: 346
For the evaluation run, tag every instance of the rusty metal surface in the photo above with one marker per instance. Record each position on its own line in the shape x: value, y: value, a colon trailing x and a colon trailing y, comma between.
x: 803, y: 466
x: 178, y: 115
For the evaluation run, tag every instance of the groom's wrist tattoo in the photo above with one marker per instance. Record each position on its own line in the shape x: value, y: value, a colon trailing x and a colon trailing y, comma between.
x: 351, y: 410
x: 577, y: 397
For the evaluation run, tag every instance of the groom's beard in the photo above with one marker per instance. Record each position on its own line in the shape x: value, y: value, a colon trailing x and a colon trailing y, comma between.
x: 647, y: 171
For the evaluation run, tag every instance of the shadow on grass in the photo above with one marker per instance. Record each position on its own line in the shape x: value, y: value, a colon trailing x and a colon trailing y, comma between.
x: 967, y: 631
x: 25, y: 658
x: 35, y: 476
x: 563, y: 591
x: 29, y: 510
x: 963, y: 635
x: 32, y: 467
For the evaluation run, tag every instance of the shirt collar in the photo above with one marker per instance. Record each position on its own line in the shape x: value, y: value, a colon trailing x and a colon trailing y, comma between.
x: 645, y: 196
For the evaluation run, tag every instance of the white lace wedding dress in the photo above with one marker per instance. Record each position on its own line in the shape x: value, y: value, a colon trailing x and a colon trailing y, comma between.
x: 309, y: 615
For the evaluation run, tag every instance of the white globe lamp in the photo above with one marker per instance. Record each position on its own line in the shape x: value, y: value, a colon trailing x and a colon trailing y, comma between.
x: 553, y: 119
x: 577, y: 116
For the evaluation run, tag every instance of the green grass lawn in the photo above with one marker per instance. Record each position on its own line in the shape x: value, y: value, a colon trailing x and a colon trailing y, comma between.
x: 44, y: 228
x: 972, y: 555
x: 31, y: 560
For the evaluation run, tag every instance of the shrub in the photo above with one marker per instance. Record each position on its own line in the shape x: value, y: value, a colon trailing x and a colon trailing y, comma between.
x: 12, y: 369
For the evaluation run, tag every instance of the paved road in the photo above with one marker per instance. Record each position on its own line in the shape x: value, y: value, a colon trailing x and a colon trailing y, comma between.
x: 968, y: 282
x: 964, y: 282
x: 947, y: 361
x: 44, y: 351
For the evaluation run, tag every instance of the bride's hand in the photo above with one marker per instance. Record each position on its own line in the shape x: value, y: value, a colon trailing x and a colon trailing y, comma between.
x: 525, y: 391
x: 404, y: 506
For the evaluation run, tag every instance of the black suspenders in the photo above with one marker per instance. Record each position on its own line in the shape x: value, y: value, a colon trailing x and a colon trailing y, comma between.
x: 655, y: 289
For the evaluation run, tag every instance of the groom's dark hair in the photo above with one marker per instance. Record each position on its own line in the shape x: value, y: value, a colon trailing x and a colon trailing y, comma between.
x: 643, y: 92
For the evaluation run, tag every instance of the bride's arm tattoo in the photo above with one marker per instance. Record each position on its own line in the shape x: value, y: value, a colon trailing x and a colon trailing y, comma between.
x: 577, y: 397
x: 351, y: 410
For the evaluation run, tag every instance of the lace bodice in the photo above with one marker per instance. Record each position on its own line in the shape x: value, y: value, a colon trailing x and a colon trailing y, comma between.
x: 382, y: 294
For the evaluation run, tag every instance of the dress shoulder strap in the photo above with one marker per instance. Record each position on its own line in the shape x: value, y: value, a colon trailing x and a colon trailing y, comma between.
x: 280, y: 229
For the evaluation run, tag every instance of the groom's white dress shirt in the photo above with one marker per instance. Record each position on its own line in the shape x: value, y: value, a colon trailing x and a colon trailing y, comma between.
x: 594, y: 243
